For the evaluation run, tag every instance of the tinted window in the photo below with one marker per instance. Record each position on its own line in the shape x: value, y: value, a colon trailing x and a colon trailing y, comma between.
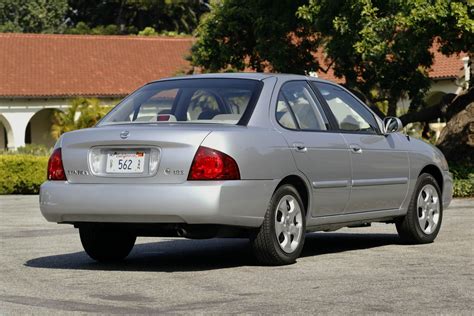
x: 297, y: 108
x: 350, y: 114
x: 188, y: 101
x: 203, y: 105
x: 160, y: 103
x: 283, y: 114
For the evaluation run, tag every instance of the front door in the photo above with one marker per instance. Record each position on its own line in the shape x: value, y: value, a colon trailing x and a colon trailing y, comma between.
x: 380, y: 164
x: 319, y: 153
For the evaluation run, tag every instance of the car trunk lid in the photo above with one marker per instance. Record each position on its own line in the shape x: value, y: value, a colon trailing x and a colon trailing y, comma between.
x: 153, y: 153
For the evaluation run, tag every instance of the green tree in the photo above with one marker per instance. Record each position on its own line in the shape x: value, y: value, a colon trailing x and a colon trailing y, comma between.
x: 83, y: 113
x: 383, y: 47
x: 33, y: 16
x: 262, y: 34
x: 148, y: 31
x: 82, y: 28
x: 380, y: 47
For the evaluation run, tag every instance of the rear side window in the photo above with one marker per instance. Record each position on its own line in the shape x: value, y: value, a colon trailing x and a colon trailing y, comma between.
x: 349, y: 113
x: 297, y: 108
x: 223, y: 101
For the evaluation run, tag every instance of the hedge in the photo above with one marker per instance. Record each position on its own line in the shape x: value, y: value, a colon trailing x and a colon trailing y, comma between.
x: 463, y: 187
x: 22, y: 174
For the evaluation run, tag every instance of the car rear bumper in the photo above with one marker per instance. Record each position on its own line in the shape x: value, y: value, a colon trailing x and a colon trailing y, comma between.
x: 236, y: 203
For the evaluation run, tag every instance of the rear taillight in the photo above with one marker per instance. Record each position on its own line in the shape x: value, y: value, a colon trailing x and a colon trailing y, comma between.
x: 211, y: 164
x: 55, y: 166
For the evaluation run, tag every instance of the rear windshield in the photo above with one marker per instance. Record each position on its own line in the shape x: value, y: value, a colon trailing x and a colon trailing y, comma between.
x: 222, y: 101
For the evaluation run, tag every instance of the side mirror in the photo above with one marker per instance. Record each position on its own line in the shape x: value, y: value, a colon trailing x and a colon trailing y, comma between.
x: 392, y: 125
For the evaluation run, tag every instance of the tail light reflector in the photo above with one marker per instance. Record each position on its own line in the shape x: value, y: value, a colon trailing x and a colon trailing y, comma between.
x: 211, y: 164
x: 55, y: 166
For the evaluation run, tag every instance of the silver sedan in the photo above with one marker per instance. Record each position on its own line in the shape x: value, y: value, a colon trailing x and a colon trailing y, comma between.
x: 264, y: 156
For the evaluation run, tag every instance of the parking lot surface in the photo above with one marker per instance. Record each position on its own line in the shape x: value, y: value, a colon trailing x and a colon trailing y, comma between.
x: 44, y: 270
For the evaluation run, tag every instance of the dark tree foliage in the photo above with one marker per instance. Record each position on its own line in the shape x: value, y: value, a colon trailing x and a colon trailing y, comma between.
x: 33, y: 16
x: 100, y: 17
x: 131, y: 16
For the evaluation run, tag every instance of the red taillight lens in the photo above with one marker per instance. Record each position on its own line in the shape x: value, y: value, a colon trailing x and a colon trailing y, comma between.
x: 163, y: 117
x: 55, y: 166
x: 211, y: 164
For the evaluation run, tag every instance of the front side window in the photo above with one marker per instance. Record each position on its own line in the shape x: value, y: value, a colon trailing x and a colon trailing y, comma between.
x: 297, y: 108
x: 221, y: 101
x: 350, y: 114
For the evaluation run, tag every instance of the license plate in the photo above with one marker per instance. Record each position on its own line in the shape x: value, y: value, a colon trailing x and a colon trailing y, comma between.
x: 125, y: 162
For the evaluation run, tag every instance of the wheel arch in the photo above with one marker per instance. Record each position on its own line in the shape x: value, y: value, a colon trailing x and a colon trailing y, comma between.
x: 435, y: 172
x: 301, y: 186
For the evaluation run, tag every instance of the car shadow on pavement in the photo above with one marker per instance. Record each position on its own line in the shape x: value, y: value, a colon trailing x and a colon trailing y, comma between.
x: 175, y: 255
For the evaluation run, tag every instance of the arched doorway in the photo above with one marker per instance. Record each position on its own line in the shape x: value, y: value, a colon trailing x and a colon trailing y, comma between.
x: 6, y: 133
x: 38, y: 130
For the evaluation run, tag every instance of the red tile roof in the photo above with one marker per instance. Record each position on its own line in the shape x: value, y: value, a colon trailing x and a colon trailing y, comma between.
x: 48, y: 65
x: 444, y: 66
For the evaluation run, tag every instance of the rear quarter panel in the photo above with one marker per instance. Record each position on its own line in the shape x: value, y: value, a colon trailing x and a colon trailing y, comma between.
x: 261, y: 153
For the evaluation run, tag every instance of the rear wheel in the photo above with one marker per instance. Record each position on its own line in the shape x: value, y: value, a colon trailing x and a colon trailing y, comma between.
x: 425, y: 213
x: 106, y: 245
x: 281, y: 237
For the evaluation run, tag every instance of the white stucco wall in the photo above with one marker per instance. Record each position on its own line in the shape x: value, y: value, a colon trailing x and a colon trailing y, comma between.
x: 15, y: 114
x: 18, y: 113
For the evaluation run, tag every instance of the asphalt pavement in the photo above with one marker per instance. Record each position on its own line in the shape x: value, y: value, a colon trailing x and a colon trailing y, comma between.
x: 43, y: 270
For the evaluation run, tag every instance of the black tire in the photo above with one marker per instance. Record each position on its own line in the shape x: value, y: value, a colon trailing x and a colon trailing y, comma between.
x: 265, y: 244
x: 408, y: 227
x: 106, y: 245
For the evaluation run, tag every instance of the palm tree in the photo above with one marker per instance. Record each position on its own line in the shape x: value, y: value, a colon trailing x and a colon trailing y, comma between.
x: 83, y: 113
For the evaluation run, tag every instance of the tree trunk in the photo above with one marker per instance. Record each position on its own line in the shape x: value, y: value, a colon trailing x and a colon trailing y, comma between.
x: 457, y: 138
x: 449, y: 106
x: 392, y: 107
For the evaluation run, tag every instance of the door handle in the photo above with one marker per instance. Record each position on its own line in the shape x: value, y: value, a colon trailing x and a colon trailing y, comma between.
x: 300, y: 147
x: 355, y: 149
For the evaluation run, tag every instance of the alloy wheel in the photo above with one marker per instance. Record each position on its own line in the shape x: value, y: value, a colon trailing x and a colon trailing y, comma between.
x: 288, y: 223
x: 428, y: 209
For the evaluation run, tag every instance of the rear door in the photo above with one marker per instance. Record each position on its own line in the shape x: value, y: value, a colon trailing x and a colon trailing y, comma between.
x: 320, y: 154
x: 380, y: 164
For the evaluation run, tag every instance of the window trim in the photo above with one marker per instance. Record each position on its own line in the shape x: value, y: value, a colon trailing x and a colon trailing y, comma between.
x: 330, y: 128
x: 248, y: 112
x: 330, y: 116
x: 327, y: 108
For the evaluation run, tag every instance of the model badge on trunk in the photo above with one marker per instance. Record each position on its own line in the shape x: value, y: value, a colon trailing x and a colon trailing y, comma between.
x: 78, y: 172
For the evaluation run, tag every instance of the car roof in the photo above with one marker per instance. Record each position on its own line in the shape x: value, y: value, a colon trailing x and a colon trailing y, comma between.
x: 244, y: 75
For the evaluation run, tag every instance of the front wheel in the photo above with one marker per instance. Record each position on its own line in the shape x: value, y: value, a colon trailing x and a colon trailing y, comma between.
x: 281, y: 237
x: 425, y: 213
x: 106, y: 245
